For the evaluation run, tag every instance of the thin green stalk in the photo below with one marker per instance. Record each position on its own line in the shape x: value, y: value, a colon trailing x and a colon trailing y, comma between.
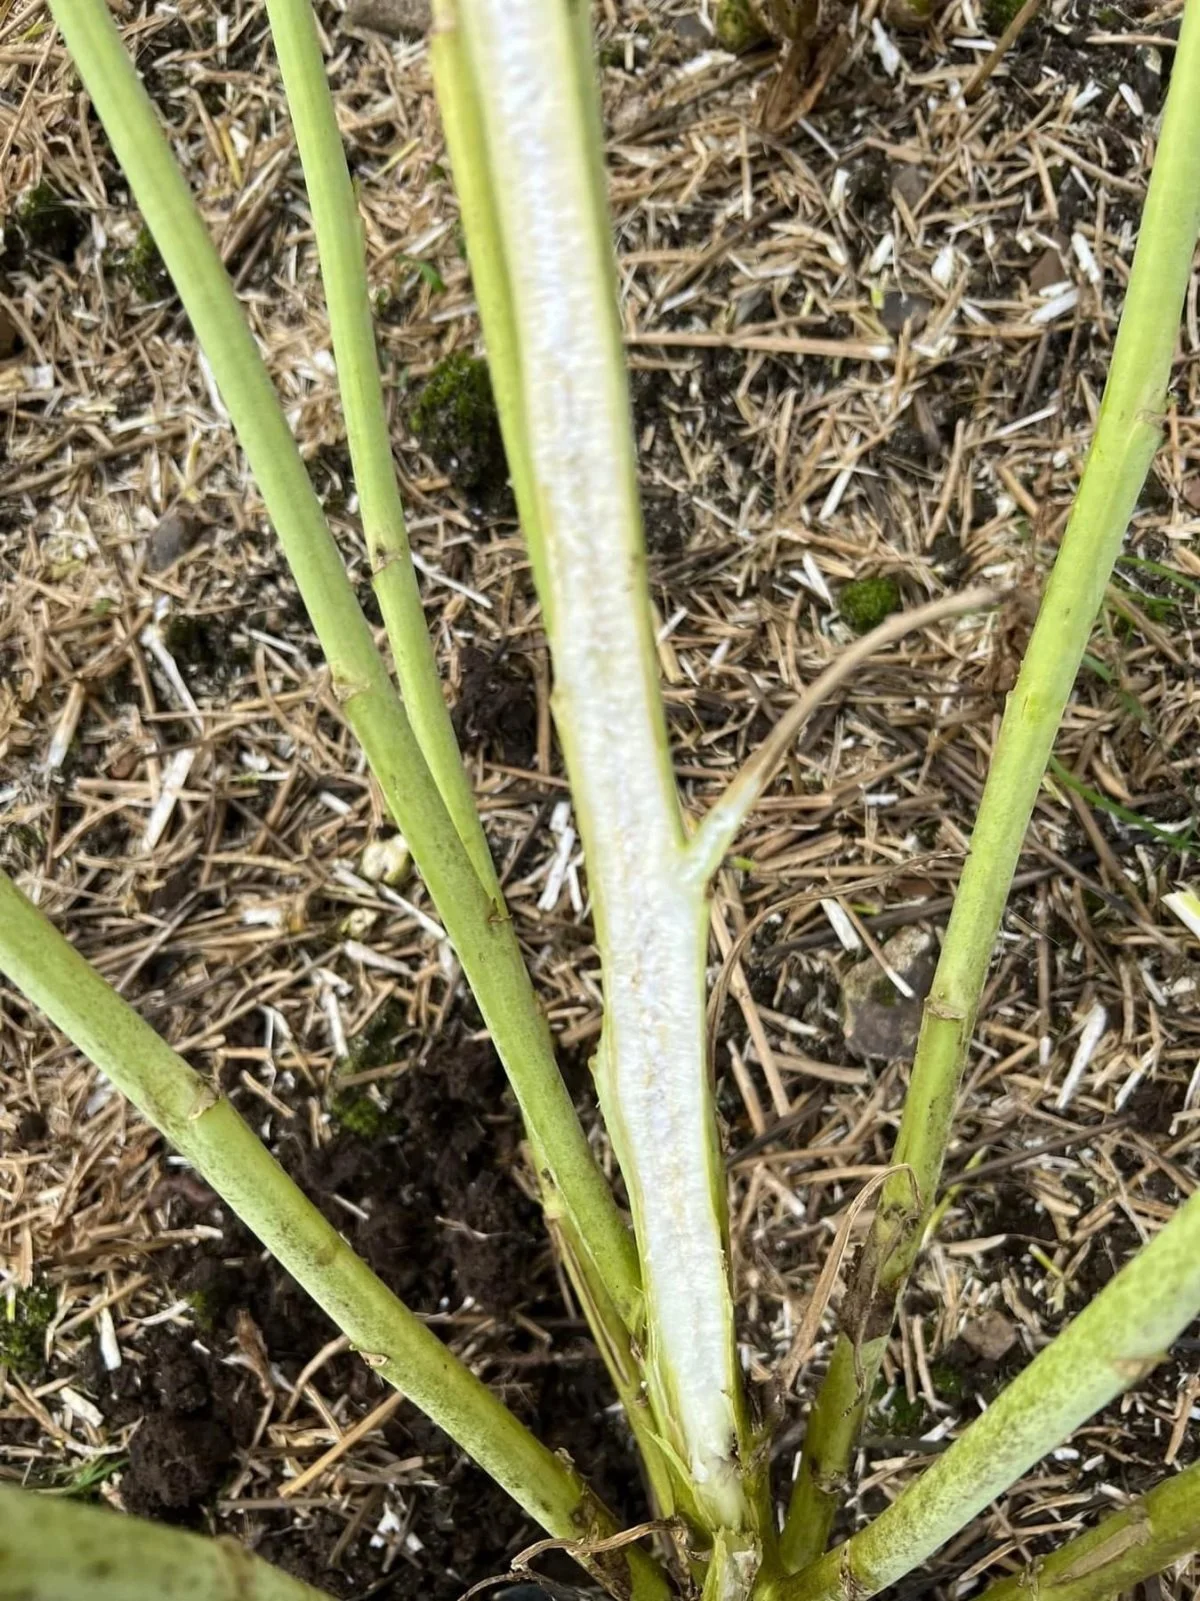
x: 1113, y: 1344
x: 56, y: 1549
x: 523, y: 122
x: 205, y: 1128
x: 343, y: 274
x: 1128, y: 433
x: 1120, y: 1552
x: 473, y: 187
x: 338, y: 230
x: 482, y: 935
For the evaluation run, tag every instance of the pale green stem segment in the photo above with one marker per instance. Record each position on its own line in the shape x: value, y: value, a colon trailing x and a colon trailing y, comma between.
x: 489, y: 277
x: 206, y: 1129
x: 524, y: 141
x: 1113, y: 1344
x: 481, y: 933
x: 55, y: 1549
x: 463, y: 129
x: 1127, y: 436
x: 1121, y: 1551
x: 338, y: 230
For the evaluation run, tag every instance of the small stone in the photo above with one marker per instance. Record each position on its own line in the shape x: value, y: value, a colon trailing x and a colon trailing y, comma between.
x: 990, y: 1335
x: 386, y: 861
x: 1147, y: 77
x: 691, y: 33
x: 1191, y: 491
x: 1048, y: 269
x: 900, y: 311
x: 176, y: 533
x: 878, y: 1022
x: 395, y: 19
x: 909, y: 182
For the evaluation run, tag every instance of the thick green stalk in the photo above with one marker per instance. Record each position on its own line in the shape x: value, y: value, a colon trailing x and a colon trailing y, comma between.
x: 204, y: 1128
x: 1127, y: 1547
x: 1113, y: 1344
x: 523, y: 88
x: 338, y: 231
x: 56, y: 1549
x: 1128, y: 433
x: 670, y: 1489
x: 481, y: 934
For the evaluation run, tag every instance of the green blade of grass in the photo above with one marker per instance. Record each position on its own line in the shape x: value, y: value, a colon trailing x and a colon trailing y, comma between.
x: 1123, y: 814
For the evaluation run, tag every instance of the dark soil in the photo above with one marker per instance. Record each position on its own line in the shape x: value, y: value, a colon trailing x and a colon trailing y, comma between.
x: 192, y: 1412
x: 431, y: 1201
x: 497, y: 710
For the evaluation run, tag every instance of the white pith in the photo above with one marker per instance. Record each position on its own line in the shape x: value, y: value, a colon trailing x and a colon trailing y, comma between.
x: 649, y: 911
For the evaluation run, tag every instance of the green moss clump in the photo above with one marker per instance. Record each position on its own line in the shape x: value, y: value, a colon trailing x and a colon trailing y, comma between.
x: 375, y: 1045
x: 357, y: 1113
x: 456, y: 422
x: 24, y: 1319
x: 909, y: 16
x: 204, y: 1309
x: 905, y: 1417
x: 47, y: 223
x: 143, y: 268
x: 947, y: 1381
x: 866, y: 603
x: 883, y: 992
x: 738, y: 26
x: 997, y: 14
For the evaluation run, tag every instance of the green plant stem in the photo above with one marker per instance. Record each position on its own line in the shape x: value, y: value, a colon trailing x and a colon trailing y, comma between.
x: 463, y: 129
x: 1113, y: 1344
x: 1128, y: 433
x: 338, y: 230
x: 480, y: 931
x: 523, y: 130
x: 56, y: 1549
x: 670, y: 1490
x: 1131, y: 1545
x: 205, y: 1128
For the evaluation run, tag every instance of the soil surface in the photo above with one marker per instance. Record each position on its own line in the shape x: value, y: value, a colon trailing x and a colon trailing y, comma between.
x: 866, y: 353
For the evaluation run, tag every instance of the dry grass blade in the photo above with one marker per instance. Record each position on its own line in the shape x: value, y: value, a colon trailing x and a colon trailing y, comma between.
x: 814, y: 1311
